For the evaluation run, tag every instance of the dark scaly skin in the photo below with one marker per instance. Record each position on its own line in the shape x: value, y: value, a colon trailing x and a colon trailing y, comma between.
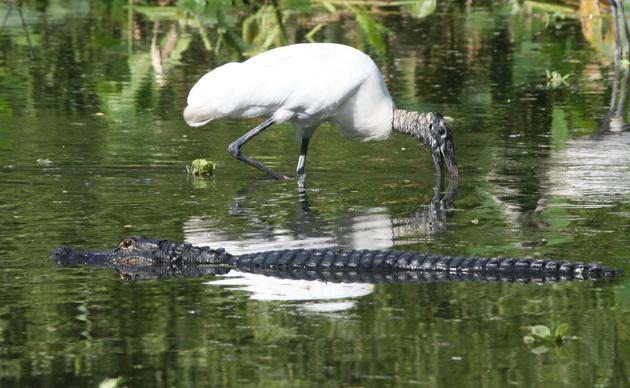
x: 140, y: 257
x: 387, y: 262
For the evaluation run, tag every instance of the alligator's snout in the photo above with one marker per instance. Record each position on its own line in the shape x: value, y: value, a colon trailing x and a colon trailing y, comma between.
x: 60, y: 255
x: 68, y: 256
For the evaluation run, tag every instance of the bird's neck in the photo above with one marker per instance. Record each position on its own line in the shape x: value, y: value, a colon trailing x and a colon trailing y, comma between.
x: 415, y: 124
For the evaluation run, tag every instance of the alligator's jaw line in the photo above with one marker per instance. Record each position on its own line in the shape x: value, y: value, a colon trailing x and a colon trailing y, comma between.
x: 140, y: 257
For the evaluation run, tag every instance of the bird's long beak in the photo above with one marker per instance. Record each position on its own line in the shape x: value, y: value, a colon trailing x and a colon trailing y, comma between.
x: 448, y: 152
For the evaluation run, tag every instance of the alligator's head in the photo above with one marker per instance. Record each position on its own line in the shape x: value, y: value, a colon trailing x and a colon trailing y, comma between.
x: 141, y: 251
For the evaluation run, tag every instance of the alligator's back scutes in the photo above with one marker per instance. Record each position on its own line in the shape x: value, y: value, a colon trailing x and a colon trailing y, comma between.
x: 395, y: 261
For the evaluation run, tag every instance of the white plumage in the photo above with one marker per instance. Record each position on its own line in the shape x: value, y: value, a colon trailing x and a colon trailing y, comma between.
x: 305, y: 84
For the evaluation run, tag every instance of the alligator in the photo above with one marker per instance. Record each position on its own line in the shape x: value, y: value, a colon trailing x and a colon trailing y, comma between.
x: 144, y: 258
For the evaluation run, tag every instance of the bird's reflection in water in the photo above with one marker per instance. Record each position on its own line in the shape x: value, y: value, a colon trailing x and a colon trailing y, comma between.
x: 368, y: 228
x: 430, y: 220
x: 371, y: 228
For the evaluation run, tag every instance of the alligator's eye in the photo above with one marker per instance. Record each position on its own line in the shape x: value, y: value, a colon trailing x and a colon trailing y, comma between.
x: 126, y: 244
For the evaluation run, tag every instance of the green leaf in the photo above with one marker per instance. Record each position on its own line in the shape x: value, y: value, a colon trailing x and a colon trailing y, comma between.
x: 371, y: 31
x: 541, y: 331
x: 562, y: 330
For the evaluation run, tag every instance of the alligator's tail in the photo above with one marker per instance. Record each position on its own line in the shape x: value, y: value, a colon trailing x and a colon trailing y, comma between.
x: 337, y: 264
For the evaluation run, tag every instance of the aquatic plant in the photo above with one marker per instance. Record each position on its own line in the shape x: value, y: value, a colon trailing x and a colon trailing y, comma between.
x: 201, y: 167
x: 556, y: 80
x: 541, y: 337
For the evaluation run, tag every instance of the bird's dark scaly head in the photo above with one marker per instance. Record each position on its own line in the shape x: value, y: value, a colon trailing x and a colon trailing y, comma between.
x: 433, y: 131
x: 441, y: 143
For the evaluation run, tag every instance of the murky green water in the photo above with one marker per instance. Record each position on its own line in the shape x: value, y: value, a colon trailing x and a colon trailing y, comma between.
x: 93, y: 148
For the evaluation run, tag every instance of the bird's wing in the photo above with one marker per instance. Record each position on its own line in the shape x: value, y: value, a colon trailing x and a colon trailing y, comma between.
x: 303, y: 82
x: 304, y: 79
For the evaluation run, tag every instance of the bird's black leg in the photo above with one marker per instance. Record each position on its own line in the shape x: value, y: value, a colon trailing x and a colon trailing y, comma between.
x: 235, y: 150
x: 302, y: 159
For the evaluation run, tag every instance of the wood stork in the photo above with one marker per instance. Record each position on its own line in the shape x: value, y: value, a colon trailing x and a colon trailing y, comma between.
x: 307, y: 84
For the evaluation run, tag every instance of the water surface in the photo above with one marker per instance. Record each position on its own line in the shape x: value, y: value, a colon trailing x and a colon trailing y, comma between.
x: 93, y: 148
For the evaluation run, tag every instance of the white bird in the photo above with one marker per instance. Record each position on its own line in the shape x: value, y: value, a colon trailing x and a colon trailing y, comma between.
x: 308, y: 84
